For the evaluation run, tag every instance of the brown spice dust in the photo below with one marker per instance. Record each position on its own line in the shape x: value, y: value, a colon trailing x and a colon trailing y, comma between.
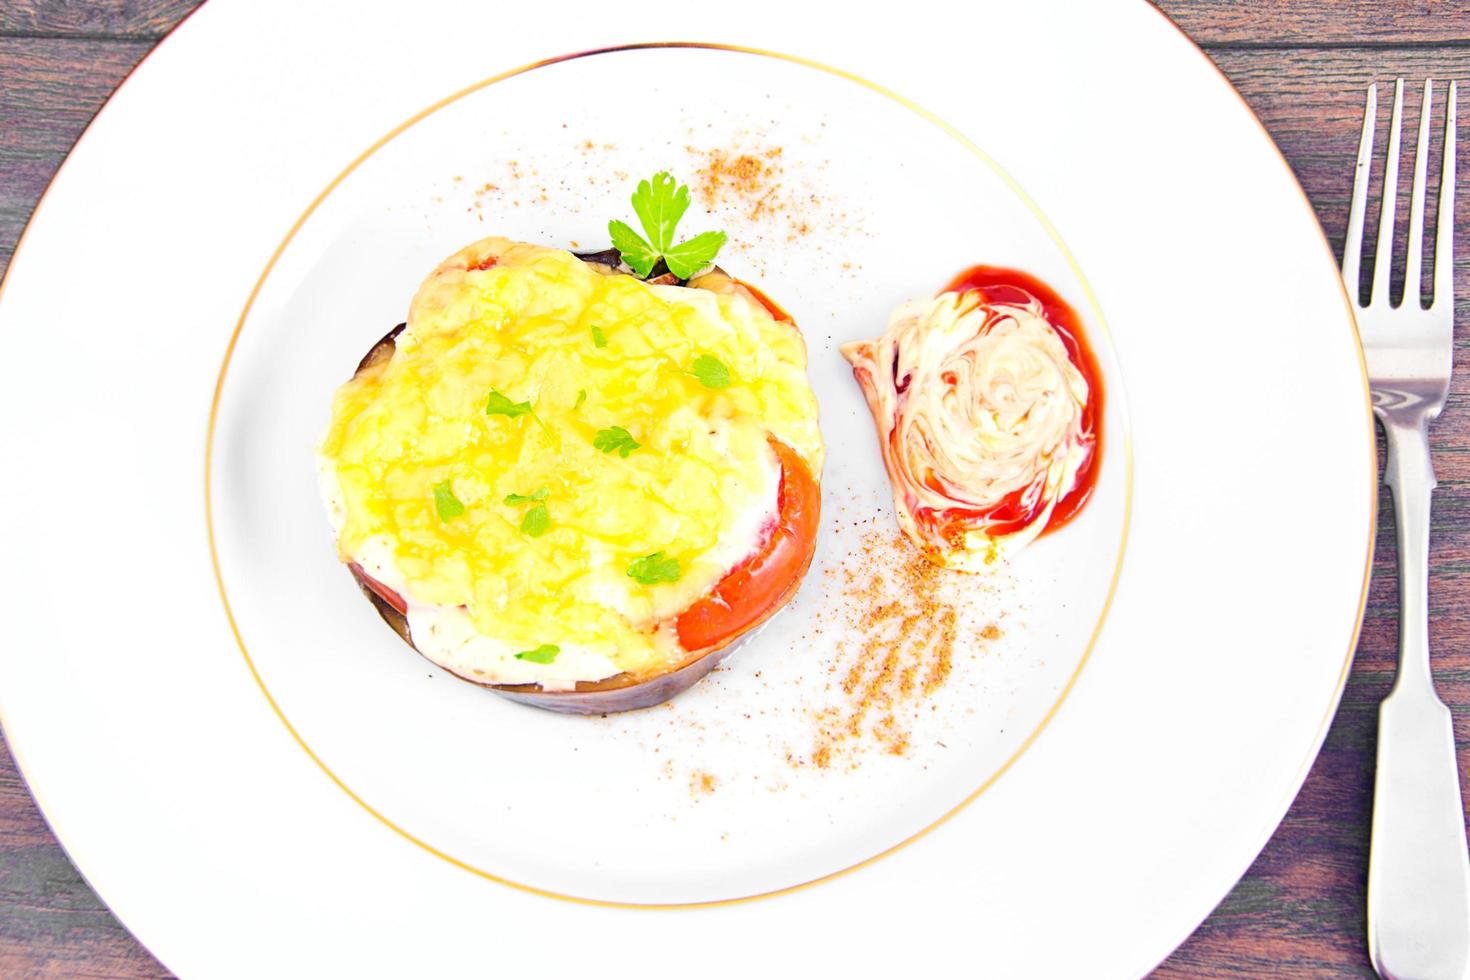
x: 900, y: 636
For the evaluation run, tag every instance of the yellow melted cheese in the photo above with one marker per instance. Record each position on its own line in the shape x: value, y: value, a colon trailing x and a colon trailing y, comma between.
x: 523, y: 327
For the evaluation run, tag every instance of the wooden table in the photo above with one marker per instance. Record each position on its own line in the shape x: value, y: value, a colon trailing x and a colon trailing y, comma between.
x: 1302, y: 65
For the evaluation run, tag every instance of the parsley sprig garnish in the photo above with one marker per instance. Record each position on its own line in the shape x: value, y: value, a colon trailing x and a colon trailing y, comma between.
x: 659, y: 204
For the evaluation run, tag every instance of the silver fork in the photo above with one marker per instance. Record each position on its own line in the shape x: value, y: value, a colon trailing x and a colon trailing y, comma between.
x: 1418, y: 868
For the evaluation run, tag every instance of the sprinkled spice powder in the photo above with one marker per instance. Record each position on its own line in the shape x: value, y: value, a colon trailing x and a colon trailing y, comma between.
x: 900, y: 630
x: 769, y: 195
x: 747, y: 181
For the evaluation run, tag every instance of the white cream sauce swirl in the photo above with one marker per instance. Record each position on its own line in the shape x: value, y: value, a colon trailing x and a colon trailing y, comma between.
x: 974, y: 402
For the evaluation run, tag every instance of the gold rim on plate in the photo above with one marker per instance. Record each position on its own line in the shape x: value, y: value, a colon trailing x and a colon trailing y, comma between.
x: 92, y: 878
x: 967, y: 143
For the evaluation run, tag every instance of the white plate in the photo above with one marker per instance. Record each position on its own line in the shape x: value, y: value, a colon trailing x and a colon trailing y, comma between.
x: 288, y: 785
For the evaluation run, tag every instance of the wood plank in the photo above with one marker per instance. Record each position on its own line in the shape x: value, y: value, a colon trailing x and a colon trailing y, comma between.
x: 1281, y: 22
x: 1316, y: 23
x: 52, y: 90
x: 51, y: 922
x: 141, y: 19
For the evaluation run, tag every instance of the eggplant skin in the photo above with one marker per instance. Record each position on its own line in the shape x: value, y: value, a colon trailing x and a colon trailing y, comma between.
x: 621, y: 692
x: 380, y: 351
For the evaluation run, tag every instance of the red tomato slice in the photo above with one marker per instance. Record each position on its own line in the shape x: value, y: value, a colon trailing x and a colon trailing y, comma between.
x: 383, y: 592
x: 778, y: 313
x: 759, y: 585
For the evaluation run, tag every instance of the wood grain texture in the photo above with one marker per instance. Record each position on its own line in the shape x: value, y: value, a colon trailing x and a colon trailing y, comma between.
x: 51, y: 923
x: 1300, y: 911
x: 1319, y: 23
x: 140, y: 19
x: 51, y: 90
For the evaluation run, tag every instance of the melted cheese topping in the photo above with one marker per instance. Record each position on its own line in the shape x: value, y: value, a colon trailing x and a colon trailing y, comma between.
x: 702, y: 487
x: 977, y: 405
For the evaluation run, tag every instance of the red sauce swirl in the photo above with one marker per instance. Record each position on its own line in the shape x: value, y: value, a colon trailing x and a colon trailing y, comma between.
x: 999, y: 285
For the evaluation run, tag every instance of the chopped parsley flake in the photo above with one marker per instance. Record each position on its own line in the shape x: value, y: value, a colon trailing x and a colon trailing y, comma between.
x: 498, y: 404
x: 615, y: 439
x: 529, y: 498
x: 446, y: 503
x: 536, y: 521
x: 655, y: 568
x: 711, y: 371
x: 544, y: 654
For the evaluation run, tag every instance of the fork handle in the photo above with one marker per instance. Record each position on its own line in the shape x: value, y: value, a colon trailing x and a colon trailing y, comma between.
x: 1418, y: 868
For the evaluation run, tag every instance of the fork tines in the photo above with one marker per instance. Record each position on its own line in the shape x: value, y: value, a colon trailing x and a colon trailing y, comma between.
x: 1443, y: 248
